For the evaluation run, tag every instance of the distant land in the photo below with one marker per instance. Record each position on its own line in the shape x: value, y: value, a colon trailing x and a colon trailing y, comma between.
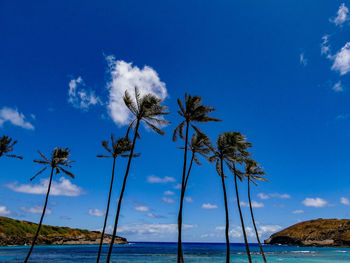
x: 17, y: 233
x: 318, y: 232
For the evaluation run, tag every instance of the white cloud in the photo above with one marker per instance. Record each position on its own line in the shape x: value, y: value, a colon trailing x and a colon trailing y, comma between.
x: 64, y: 188
x: 254, y: 204
x: 325, y: 47
x: 168, y: 200
x: 338, y: 87
x: 273, y: 195
x: 79, y: 97
x: 4, y: 211
x: 189, y: 199
x: 209, y: 206
x: 36, y: 210
x: 263, y: 230
x: 342, y: 15
x: 169, y: 192
x: 263, y: 196
x: 159, y: 180
x: 142, y: 208
x: 342, y: 117
x: 96, y: 212
x: 14, y: 117
x: 342, y: 60
x: 124, y: 76
x: 302, y: 59
x: 298, y: 211
x: 150, y: 229
x: 315, y: 202
x: 177, y: 186
x: 344, y: 201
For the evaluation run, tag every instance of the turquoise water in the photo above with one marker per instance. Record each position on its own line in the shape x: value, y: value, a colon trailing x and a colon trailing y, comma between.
x: 166, y: 252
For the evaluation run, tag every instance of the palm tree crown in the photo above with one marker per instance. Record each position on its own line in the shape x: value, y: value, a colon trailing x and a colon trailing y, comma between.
x: 194, y: 111
x: 59, y: 158
x: 253, y: 171
x: 147, y: 108
x: 6, y: 146
x: 118, y: 147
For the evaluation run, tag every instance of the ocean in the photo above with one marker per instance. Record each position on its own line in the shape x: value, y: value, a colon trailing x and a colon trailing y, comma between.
x: 166, y: 252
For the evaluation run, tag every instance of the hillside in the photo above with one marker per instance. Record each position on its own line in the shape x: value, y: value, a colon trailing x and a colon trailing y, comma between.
x: 15, y: 232
x: 319, y: 232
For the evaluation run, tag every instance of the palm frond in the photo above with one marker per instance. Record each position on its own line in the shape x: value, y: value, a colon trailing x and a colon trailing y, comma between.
x: 14, y: 156
x: 42, y: 170
x: 67, y: 172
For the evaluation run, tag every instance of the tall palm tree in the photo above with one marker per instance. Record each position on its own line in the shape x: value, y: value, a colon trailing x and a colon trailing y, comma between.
x: 224, y: 153
x: 254, y: 172
x: 58, y: 159
x: 148, y: 109
x: 6, y: 146
x: 193, y: 112
x: 239, y: 154
x: 118, y: 148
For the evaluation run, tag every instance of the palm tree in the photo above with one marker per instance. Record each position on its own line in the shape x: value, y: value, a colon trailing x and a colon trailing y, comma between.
x: 118, y: 148
x: 6, y: 146
x: 193, y: 111
x: 148, y: 109
x: 239, y: 154
x: 58, y: 159
x: 224, y: 154
x: 254, y: 172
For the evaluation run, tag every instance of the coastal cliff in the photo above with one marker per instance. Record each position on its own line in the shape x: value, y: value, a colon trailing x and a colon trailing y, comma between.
x: 15, y: 233
x: 319, y: 232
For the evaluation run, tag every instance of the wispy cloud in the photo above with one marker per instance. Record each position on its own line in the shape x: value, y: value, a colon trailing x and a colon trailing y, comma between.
x: 188, y: 199
x: 344, y: 201
x: 36, y: 210
x: 298, y: 211
x: 168, y: 200
x: 169, y: 192
x: 273, y: 195
x: 160, y: 180
x: 342, y: 117
x: 209, y: 206
x: 124, y: 76
x: 4, y: 211
x: 79, y: 97
x: 315, y: 202
x: 264, y: 230
x: 64, y: 188
x: 151, y: 229
x: 96, y: 212
x: 141, y: 208
x: 342, y: 15
x: 303, y: 61
x: 14, y: 117
x: 254, y: 204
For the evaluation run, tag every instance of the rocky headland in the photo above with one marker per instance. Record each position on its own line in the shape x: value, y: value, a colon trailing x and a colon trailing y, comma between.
x: 319, y: 232
x: 16, y: 233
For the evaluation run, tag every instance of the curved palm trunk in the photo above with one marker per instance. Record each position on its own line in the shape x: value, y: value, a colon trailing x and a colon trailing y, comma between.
x: 107, y: 210
x: 188, y: 172
x: 180, y: 258
x: 242, y: 221
x: 41, y: 219
x: 122, y: 192
x: 226, y: 212
x: 256, y: 230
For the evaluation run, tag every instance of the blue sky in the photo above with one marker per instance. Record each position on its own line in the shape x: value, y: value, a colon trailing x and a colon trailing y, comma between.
x: 277, y: 71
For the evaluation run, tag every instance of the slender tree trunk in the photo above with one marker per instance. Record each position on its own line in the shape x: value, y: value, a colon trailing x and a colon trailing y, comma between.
x: 179, y: 218
x: 226, y: 212
x: 188, y: 172
x: 122, y: 192
x: 42, y: 217
x: 256, y: 230
x: 242, y: 221
x: 107, y: 210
